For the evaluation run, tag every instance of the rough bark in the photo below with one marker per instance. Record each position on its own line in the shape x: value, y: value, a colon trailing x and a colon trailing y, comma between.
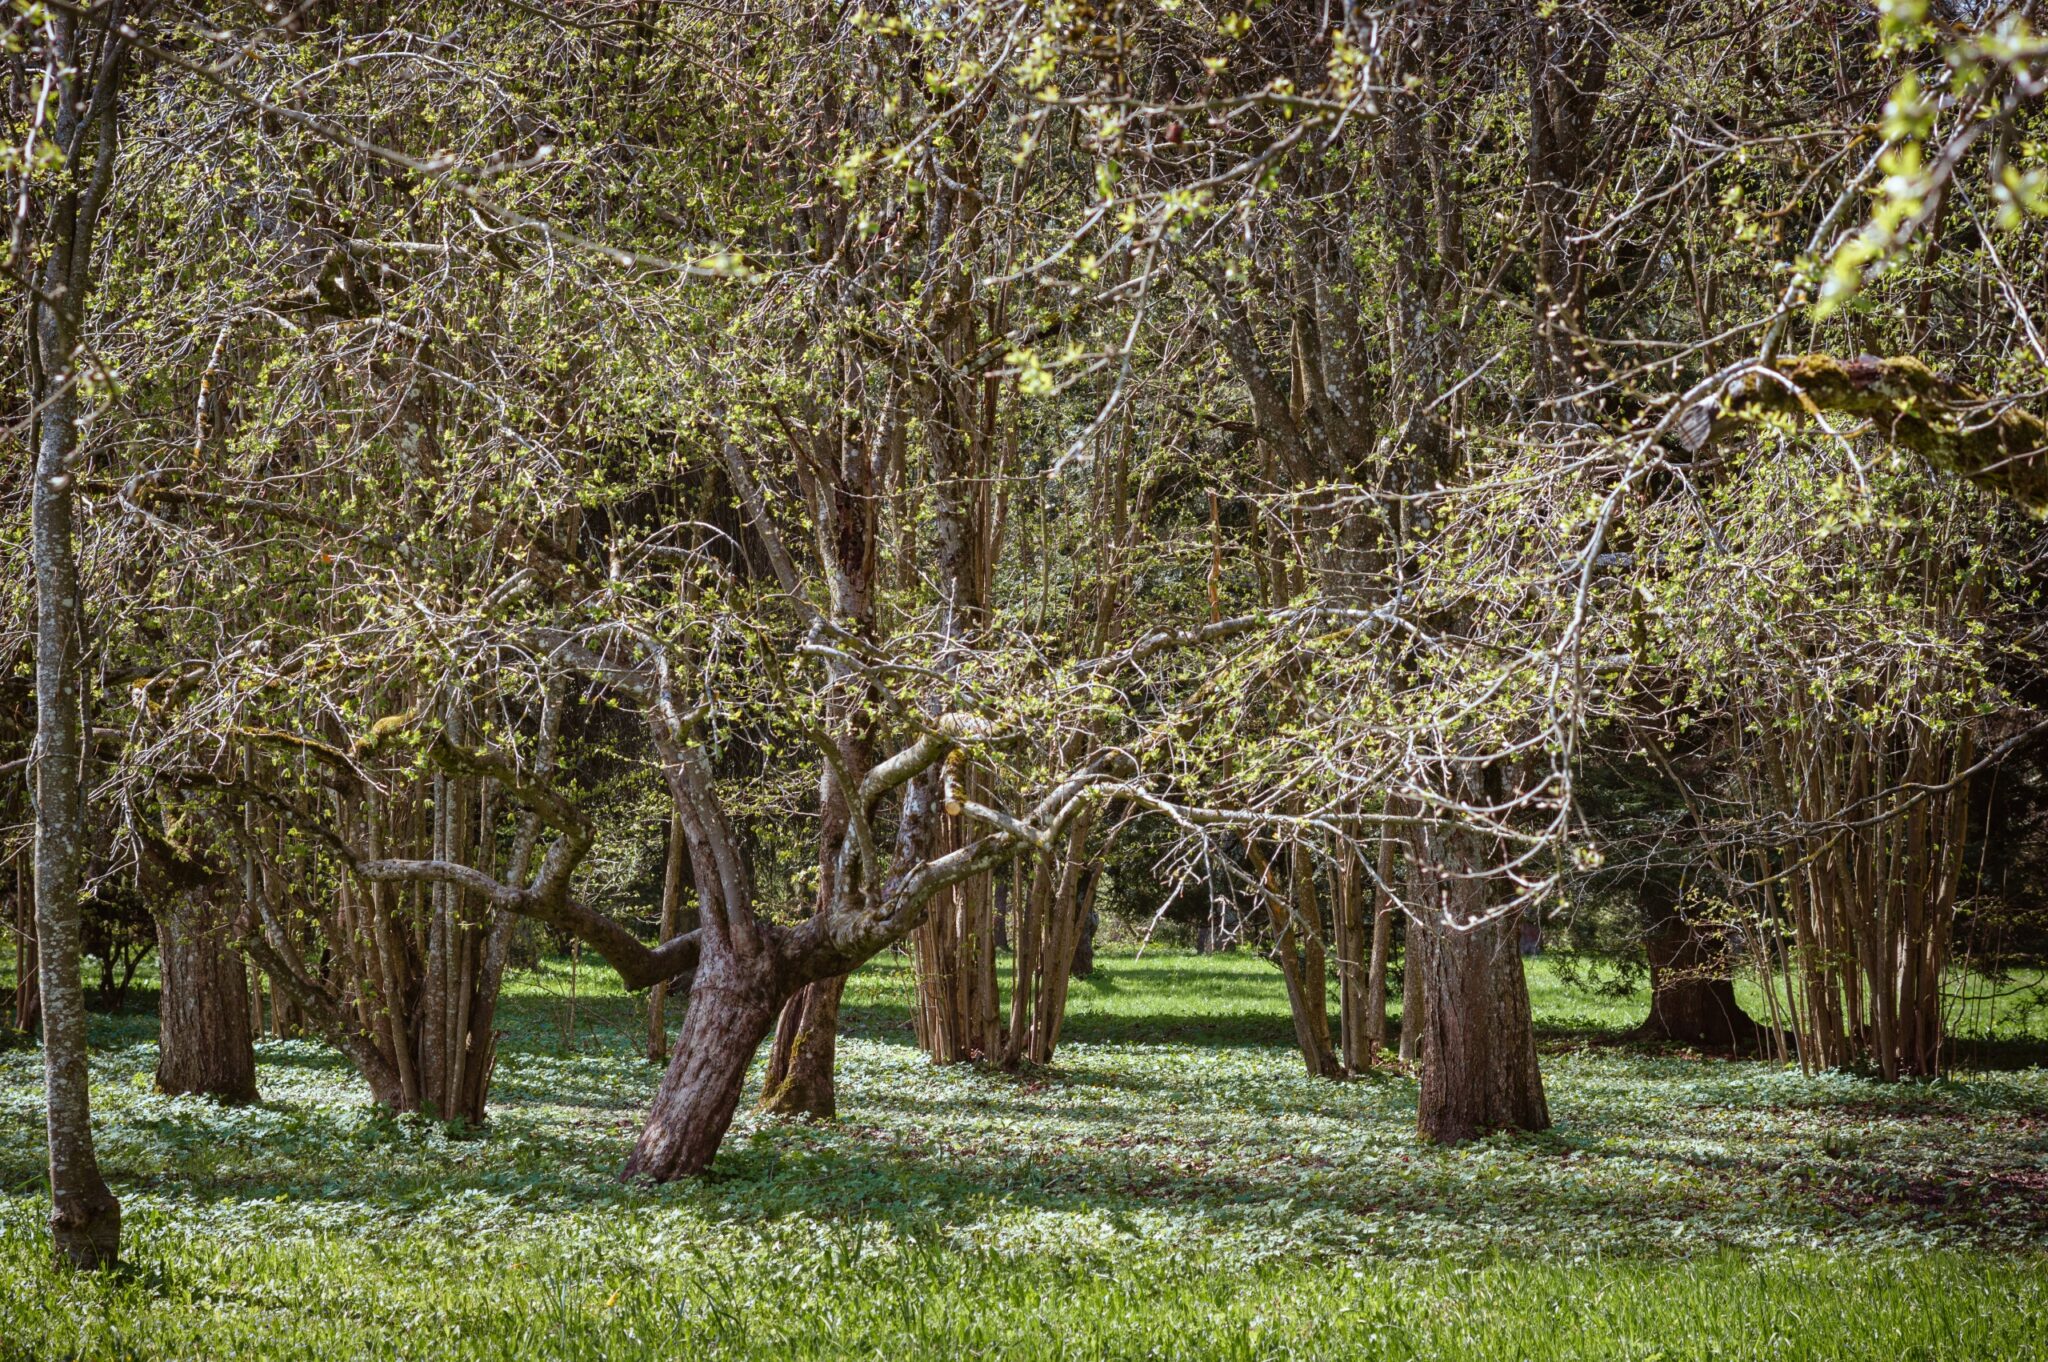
x: 1994, y: 444
x: 203, y: 1043
x: 1479, y: 1070
x: 1478, y: 1046
x: 799, y: 1078
x: 731, y: 1010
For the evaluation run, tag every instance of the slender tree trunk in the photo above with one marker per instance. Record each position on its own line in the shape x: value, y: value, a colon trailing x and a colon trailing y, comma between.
x: 671, y: 901
x: 203, y: 1043
x: 1384, y: 912
x: 1414, y: 1005
x: 85, y: 1218
x: 28, y: 1005
x: 1354, y: 1026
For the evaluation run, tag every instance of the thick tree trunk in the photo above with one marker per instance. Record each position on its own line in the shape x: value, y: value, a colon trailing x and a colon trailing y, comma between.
x: 203, y: 1044
x: 1692, y: 997
x: 799, y: 1079
x: 1479, y: 1071
x: 732, y: 1006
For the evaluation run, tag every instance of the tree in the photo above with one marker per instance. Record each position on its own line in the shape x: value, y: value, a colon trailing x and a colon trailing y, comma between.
x: 71, y: 122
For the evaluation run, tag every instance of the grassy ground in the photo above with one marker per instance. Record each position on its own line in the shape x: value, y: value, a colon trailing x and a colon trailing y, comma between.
x: 1175, y: 1188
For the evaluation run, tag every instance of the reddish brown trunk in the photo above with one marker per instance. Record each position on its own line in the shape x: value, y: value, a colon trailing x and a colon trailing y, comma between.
x: 731, y: 1010
x: 799, y: 1081
x: 1692, y: 997
x: 203, y: 1044
x: 1479, y: 1070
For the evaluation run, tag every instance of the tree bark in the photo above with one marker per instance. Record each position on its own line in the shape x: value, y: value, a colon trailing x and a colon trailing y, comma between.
x: 1479, y: 1071
x: 732, y: 1007
x: 28, y: 1005
x: 1384, y: 911
x: 671, y: 900
x: 203, y: 1044
x: 1414, y: 1006
x: 85, y: 1219
x: 799, y: 1080
x: 1692, y: 997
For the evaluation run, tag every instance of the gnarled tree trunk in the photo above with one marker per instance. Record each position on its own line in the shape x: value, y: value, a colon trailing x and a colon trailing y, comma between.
x: 733, y: 1003
x: 1692, y: 993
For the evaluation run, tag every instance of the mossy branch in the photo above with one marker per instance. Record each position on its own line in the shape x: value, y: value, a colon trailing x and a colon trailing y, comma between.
x: 1991, y: 442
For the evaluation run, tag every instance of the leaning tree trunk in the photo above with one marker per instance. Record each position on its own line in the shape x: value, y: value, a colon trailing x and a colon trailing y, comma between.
x: 1289, y: 892
x: 203, y: 1044
x: 733, y: 1003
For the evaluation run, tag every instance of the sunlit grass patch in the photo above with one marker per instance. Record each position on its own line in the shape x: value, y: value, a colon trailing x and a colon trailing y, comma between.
x: 1174, y: 1186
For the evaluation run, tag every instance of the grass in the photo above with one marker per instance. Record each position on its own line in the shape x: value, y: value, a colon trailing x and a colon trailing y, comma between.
x: 1176, y: 1187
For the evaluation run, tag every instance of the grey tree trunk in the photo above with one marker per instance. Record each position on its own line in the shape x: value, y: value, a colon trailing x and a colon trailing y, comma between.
x: 85, y: 1219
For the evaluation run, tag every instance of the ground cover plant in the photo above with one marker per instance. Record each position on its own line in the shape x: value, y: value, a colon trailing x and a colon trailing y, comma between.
x: 1174, y: 1187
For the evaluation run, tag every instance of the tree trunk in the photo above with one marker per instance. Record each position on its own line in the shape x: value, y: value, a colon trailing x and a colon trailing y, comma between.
x: 799, y: 1079
x: 1479, y: 1071
x: 1414, y: 1006
x: 1355, y: 1040
x: 1692, y: 997
x: 732, y: 1006
x: 203, y: 1044
x: 85, y: 1219
x: 1296, y: 917
x: 671, y: 902
x: 28, y: 1005
x: 1384, y: 911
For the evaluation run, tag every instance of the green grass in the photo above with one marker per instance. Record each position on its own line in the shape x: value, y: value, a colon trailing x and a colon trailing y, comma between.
x: 1176, y: 1187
